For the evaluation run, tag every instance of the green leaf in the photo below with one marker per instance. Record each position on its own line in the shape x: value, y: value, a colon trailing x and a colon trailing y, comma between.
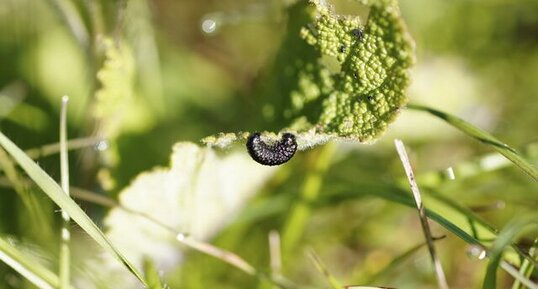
x: 196, y: 195
x: 53, y: 191
x: 345, y: 79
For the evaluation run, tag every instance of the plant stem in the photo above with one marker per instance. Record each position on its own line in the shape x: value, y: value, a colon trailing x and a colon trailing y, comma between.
x: 440, y: 274
x: 65, y: 253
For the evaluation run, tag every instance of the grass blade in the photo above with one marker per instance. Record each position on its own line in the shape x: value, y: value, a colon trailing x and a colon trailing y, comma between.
x: 440, y: 274
x: 69, y: 13
x: 40, y: 222
x: 53, y: 191
x: 526, y: 268
x: 451, y: 218
x: 398, y: 261
x: 65, y: 252
x: 152, y: 275
x: 520, y: 278
x: 331, y: 280
x: 29, y: 269
x: 504, y: 239
x: 482, y: 136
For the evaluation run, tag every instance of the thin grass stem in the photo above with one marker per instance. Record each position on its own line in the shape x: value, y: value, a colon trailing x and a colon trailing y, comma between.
x: 439, y: 273
x: 275, y: 255
x: 397, y: 261
x: 223, y: 255
x: 65, y: 252
x: 73, y: 20
x: 526, y: 267
x: 54, y: 148
x: 518, y: 276
x: 504, y: 239
x: 331, y: 280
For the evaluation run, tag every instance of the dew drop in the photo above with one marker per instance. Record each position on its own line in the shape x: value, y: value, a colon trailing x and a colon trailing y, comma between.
x: 476, y: 252
x: 449, y: 173
x: 209, y: 26
x: 180, y: 237
x: 102, y: 145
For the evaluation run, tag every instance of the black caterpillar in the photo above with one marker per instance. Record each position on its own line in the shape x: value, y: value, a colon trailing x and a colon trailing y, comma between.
x: 271, y: 155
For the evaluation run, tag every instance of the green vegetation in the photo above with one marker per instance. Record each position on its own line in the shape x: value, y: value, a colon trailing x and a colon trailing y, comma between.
x: 370, y: 62
x: 144, y: 180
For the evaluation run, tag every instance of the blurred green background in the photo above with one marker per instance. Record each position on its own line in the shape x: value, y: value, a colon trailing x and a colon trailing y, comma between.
x: 194, y: 68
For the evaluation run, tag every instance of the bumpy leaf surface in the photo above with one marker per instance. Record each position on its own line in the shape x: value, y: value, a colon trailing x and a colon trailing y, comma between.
x: 364, y: 89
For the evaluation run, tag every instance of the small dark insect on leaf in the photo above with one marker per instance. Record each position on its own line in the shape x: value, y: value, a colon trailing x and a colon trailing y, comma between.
x: 342, y: 48
x: 358, y: 33
x: 312, y: 28
x: 274, y: 154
